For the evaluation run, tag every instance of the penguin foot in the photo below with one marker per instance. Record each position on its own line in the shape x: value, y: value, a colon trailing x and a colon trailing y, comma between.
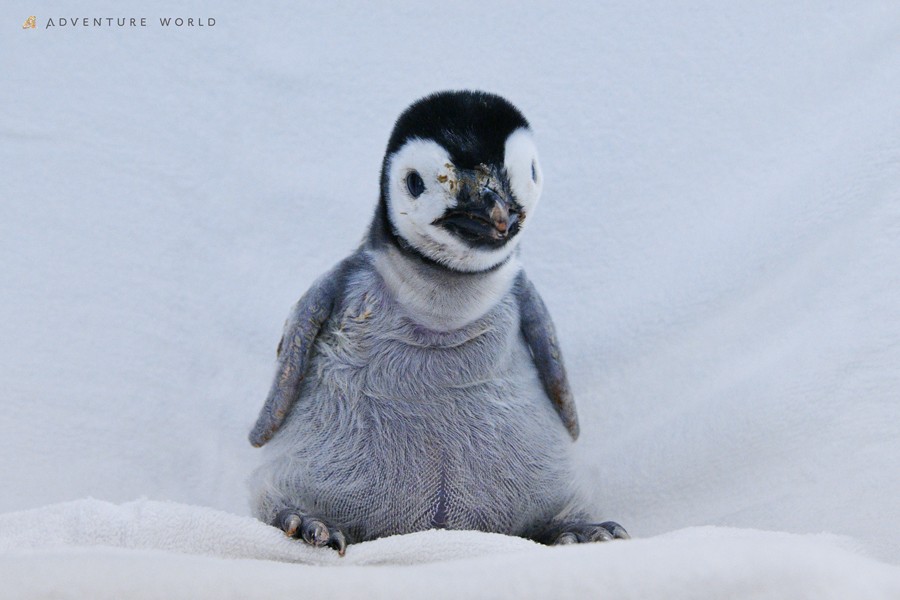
x: 579, y: 533
x: 312, y: 530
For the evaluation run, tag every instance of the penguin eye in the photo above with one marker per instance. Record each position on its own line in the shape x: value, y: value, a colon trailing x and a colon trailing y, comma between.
x: 533, y: 172
x: 414, y: 184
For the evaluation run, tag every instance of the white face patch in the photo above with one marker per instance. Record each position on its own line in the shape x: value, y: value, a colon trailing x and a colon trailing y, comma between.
x: 524, y: 170
x: 413, y: 216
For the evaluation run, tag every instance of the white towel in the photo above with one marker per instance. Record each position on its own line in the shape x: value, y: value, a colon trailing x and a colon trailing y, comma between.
x: 147, y: 549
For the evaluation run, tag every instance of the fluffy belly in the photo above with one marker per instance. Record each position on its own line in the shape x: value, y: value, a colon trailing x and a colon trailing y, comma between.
x: 403, y: 469
x: 400, y: 429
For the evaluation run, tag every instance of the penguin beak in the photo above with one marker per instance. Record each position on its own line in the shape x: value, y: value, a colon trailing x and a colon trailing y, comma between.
x: 483, y: 216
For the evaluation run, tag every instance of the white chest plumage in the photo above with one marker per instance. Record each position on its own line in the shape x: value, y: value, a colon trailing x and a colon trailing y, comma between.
x: 440, y: 299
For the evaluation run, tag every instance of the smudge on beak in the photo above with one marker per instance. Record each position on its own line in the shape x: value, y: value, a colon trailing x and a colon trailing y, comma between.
x: 486, y: 213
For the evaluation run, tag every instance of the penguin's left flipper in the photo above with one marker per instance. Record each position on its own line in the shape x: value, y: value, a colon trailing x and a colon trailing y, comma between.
x: 540, y: 335
x: 294, y: 349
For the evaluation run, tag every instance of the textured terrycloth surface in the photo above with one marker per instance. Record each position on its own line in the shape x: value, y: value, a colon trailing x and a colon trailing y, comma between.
x: 147, y: 549
x: 181, y: 528
x: 718, y: 243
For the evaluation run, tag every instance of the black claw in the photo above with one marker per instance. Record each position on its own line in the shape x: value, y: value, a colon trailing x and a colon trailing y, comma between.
x: 315, y: 532
x: 289, y: 522
x: 568, y: 537
x: 617, y: 531
x: 338, y: 542
x: 600, y: 534
x: 292, y: 525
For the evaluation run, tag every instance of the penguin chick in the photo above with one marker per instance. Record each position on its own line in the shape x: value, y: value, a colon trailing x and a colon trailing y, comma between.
x: 419, y: 383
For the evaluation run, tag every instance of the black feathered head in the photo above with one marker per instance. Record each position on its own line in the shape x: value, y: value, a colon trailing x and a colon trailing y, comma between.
x: 460, y: 176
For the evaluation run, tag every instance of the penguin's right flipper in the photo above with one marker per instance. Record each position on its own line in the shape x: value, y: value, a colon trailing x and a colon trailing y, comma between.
x: 540, y: 335
x: 294, y: 349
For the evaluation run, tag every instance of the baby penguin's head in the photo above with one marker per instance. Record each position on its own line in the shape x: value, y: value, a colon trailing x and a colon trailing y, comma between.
x: 459, y: 180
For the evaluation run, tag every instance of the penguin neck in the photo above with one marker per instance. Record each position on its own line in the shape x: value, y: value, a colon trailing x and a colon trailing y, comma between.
x: 438, y: 298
